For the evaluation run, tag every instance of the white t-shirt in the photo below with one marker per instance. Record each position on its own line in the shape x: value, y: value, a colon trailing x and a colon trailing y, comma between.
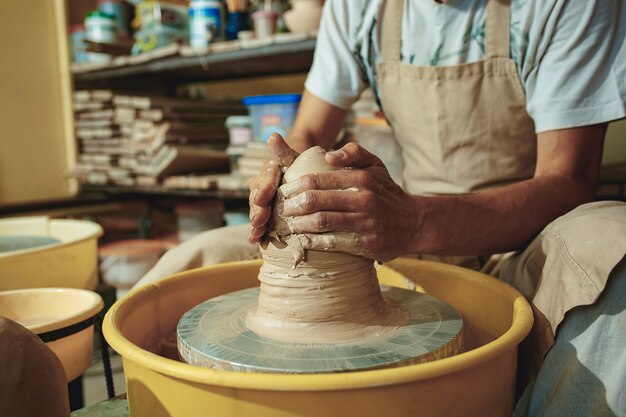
x: 569, y: 54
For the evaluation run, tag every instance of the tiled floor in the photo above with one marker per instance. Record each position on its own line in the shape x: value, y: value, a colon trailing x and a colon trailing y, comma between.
x: 94, y: 382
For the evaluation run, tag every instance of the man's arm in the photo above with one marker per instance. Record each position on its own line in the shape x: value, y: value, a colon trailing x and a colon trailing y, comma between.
x: 381, y: 221
x: 506, y: 219
x: 317, y: 123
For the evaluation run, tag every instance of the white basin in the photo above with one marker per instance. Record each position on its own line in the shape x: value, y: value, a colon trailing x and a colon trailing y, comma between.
x: 62, y: 317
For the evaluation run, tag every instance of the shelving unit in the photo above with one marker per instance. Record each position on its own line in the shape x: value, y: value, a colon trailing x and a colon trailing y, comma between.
x: 273, y: 59
x: 162, y: 191
x: 164, y: 70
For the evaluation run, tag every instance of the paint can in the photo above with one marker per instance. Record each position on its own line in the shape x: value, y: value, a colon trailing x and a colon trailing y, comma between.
x: 205, y: 22
x: 120, y: 12
x: 77, y: 37
x: 100, y: 27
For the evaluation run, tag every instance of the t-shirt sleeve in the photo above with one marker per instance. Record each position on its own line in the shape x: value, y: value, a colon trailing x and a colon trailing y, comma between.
x: 573, y: 73
x: 335, y: 75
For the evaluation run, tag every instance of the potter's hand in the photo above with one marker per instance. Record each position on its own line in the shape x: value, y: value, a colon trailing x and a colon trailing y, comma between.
x: 263, y: 187
x: 366, y: 211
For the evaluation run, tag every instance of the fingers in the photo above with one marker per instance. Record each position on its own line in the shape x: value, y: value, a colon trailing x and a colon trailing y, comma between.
x: 259, y: 216
x: 282, y: 154
x: 327, y: 221
x: 255, y: 234
x: 337, y: 180
x: 263, y: 187
x: 352, y: 155
x: 266, y: 184
x: 262, y: 191
x: 335, y: 242
x: 313, y: 200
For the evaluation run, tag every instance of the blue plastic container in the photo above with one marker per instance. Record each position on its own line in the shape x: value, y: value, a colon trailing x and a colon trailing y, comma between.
x: 274, y: 113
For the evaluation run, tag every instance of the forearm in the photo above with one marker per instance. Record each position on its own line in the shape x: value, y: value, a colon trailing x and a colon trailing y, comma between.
x: 494, y: 221
x: 317, y: 123
x: 300, y: 140
x: 568, y: 162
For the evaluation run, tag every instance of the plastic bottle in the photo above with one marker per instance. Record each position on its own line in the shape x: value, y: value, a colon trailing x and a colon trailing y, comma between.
x: 205, y: 22
x: 119, y: 10
x: 100, y: 27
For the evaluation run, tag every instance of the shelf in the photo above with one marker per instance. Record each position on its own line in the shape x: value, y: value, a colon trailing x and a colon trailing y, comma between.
x: 46, y: 206
x: 276, y: 58
x: 174, y: 64
x: 612, y: 185
x: 162, y: 191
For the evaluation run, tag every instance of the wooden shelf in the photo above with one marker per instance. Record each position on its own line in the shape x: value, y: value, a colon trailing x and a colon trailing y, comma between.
x: 162, y: 191
x: 178, y: 65
x: 276, y: 58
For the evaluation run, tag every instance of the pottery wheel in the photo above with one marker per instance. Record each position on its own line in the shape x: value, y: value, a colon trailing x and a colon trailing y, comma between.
x: 213, y: 334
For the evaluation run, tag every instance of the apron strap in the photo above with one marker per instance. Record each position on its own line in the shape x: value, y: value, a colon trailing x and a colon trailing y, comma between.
x: 392, y: 30
x: 498, y: 29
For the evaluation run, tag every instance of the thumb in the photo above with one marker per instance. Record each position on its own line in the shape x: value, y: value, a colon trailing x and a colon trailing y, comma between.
x: 352, y: 155
x: 282, y: 154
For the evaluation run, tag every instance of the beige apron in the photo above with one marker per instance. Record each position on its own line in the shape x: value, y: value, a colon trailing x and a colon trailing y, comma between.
x: 450, y: 122
x: 464, y: 129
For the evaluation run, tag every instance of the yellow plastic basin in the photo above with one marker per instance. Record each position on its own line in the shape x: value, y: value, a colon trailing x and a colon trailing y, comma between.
x: 479, y: 382
x: 61, y: 315
x: 72, y: 262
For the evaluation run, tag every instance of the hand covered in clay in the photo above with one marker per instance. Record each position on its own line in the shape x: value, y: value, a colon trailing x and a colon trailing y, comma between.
x: 366, y: 211
x: 263, y: 187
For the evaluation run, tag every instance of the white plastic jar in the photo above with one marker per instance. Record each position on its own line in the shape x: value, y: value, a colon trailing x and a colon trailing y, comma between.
x: 205, y: 22
x: 239, y: 130
x: 100, y: 27
x: 264, y: 23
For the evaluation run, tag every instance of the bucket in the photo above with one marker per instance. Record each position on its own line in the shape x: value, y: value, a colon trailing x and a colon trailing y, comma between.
x: 62, y: 317
x: 274, y: 113
x: 479, y: 382
x: 125, y: 262
x: 72, y: 261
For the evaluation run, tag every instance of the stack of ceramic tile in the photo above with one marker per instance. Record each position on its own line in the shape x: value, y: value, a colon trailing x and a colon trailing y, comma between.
x: 139, y: 140
x: 100, y: 140
x: 251, y: 162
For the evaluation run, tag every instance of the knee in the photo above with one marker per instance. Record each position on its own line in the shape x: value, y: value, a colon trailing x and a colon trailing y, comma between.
x: 601, y: 215
x: 224, y: 244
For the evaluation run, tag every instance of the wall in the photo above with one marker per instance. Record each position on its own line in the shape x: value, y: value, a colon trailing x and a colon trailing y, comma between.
x: 35, y: 109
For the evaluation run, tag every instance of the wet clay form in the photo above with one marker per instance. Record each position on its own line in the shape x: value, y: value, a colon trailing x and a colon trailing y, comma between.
x: 317, y: 296
x: 316, y: 311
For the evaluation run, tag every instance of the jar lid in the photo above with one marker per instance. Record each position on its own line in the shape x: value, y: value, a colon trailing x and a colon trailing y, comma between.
x: 205, y: 3
x: 238, y: 121
x: 272, y: 99
x: 99, y: 13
